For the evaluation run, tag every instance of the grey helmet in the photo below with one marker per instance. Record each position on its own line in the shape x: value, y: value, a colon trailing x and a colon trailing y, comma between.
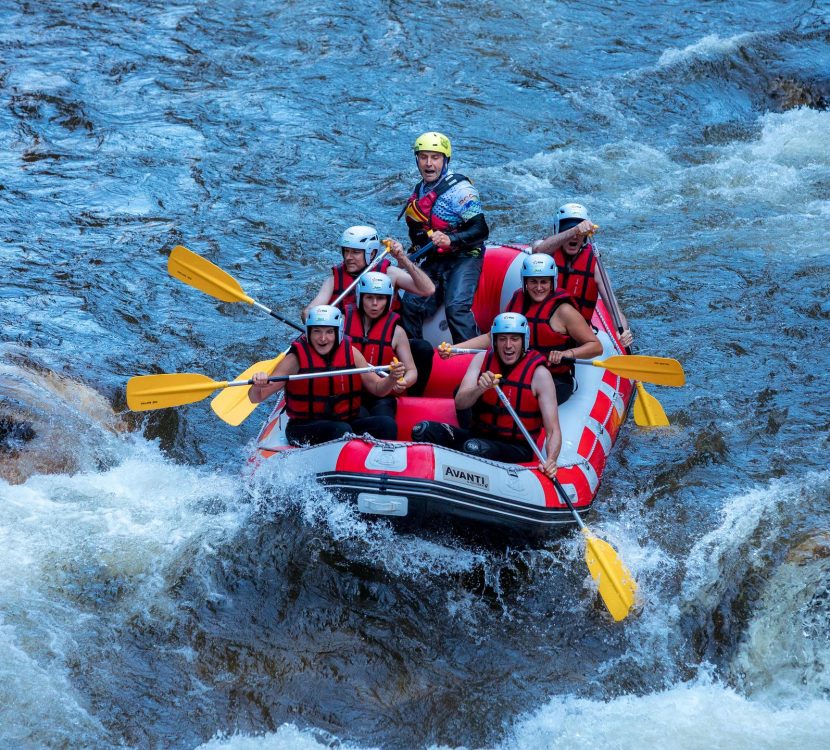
x: 325, y: 316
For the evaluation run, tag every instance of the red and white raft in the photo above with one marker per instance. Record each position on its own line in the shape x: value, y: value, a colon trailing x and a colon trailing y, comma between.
x: 421, y: 480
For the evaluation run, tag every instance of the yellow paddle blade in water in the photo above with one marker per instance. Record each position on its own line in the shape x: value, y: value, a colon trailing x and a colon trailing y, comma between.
x: 146, y: 392
x: 617, y: 586
x: 657, y: 370
x: 233, y: 405
x: 648, y: 412
x: 196, y: 271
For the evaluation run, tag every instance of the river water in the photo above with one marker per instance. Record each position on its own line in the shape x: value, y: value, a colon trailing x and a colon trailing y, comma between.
x: 156, y: 594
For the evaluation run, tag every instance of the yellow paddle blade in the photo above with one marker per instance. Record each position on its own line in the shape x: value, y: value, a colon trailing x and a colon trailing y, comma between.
x: 657, y: 370
x: 196, y: 271
x: 648, y: 412
x: 617, y: 587
x: 233, y: 405
x: 147, y: 392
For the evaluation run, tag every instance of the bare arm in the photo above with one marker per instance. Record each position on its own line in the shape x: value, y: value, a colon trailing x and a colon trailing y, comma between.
x: 473, y: 384
x: 626, y: 336
x: 373, y: 382
x: 550, y: 244
x: 261, y: 388
x: 482, y: 341
x: 409, y: 276
x: 567, y: 319
x: 323, y: 296
x: 545, y: 392
x: 400, y: 343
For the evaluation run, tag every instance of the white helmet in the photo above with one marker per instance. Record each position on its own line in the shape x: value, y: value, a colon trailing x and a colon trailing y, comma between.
x: 539, y: 265
x: 325, y: 316
x: 361, y: 237
x: 510, y: 323
x: 569, y: 211
x: 373, y: 283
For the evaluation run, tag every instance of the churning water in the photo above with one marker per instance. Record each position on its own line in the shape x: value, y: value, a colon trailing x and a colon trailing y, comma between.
x: 154, y: 592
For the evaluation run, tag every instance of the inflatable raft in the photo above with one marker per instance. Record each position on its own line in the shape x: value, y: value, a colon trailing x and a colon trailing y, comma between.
x: 419, y: 481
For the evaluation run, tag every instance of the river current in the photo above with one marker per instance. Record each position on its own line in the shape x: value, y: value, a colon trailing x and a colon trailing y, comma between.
x: 154, y: 593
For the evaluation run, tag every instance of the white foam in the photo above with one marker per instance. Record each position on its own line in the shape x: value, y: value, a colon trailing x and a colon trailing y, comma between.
x: 692, y: 716
x: 55, y: 715
x: 695, y: 716
x: 798, y: 137
x: 785, y: 654
x: 710, y: 47
x: 374, y: 539
x: 775, y: 178
x: 727, y: 552
x: 78, y: 550
x: 287, y: 737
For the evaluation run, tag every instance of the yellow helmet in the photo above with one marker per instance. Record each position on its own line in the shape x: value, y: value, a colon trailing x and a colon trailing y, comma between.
x: 434, y: 142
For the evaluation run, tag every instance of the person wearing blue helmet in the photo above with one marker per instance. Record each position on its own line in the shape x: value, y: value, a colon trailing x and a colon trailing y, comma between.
x: 375, y: 331
x: 444, y: 209
x: 557, y: 329
x: 580, y: 274
x: 523, y: 377
x: 327, y: 408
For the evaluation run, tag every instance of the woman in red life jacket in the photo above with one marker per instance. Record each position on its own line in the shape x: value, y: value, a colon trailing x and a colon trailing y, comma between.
x: 578, y: 265
x: 557, y: 329
x: 376, y: 333
x: 327, y: 408
x: 359, y: 246
x: 529, y: 388
x: 445, y: 209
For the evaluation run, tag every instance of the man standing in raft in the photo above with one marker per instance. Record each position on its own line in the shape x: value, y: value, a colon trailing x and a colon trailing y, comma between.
x: 529, y: 388
x: 327, y: 408
x: 578, y: 266
x: 359, y: 245
x: 375, y: 332
x: 556, y: 328
x: 445, y: 209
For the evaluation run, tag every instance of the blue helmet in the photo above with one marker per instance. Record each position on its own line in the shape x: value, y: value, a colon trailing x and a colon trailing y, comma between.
x: 510, y: 323
x: 325, y: 316
x: 373, y: 282
x: 539, y: 265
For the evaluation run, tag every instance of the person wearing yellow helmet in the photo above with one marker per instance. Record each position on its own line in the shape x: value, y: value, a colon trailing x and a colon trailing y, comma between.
x: 444, y: 209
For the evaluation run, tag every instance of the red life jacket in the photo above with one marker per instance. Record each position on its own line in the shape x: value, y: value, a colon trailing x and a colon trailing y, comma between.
x: 336, y: 397
x: 376, y: 344
x: 542, y: 337
x: 419, y: 216
x: 489, y: 414
x: 576, y: 277
x: 342, y: 280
